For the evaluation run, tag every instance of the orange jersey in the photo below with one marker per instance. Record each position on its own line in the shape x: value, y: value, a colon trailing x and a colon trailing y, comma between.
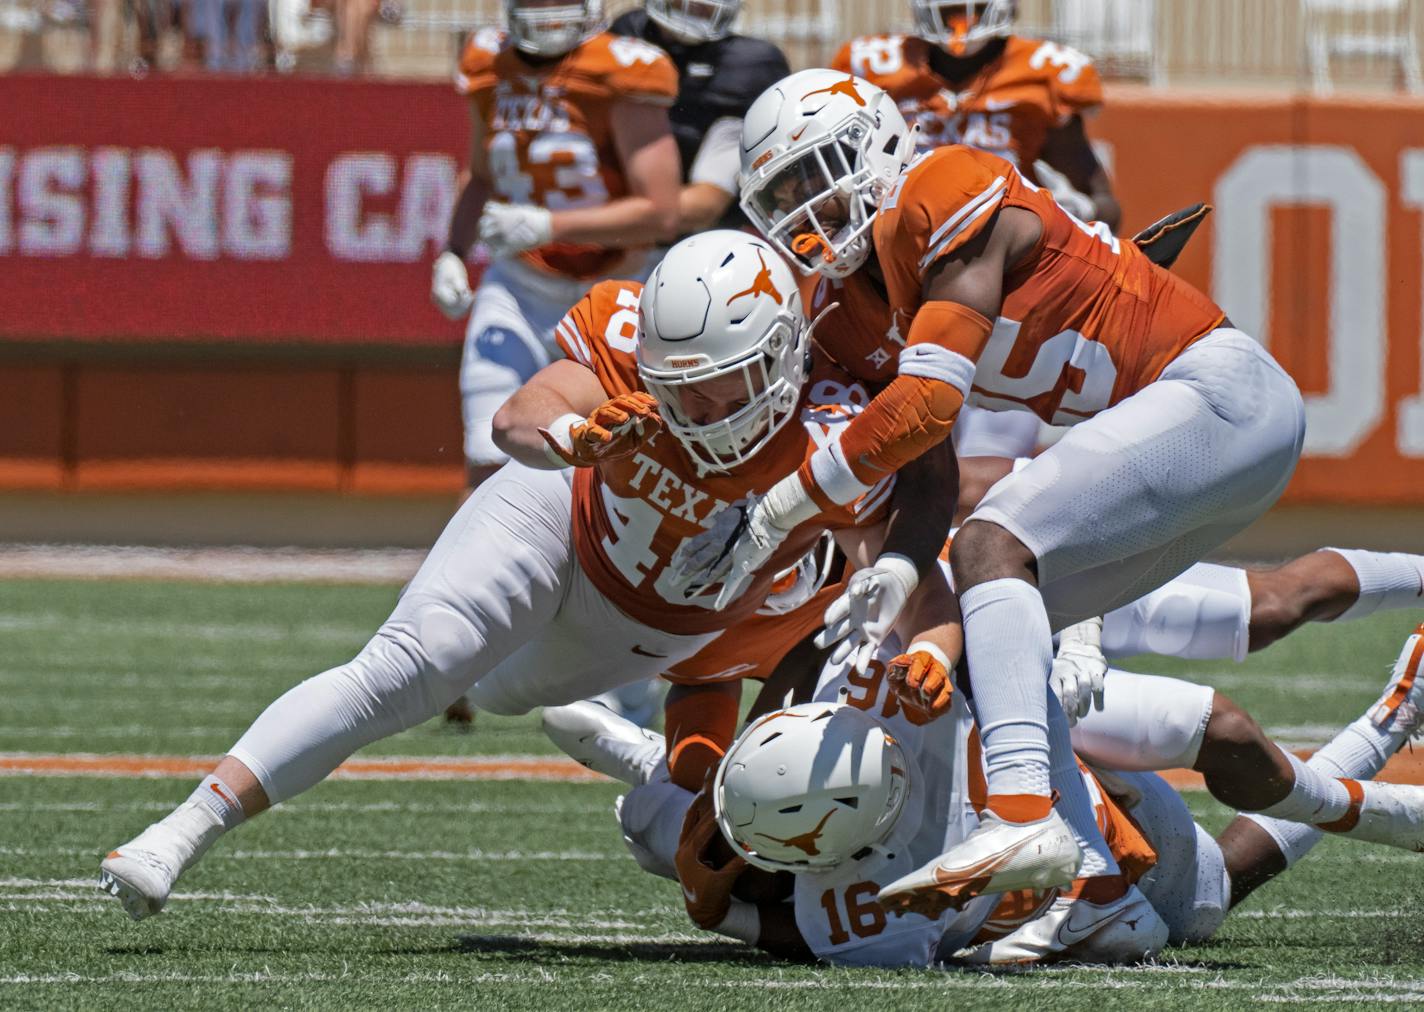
x: 549, y: 131
x: 1008, y: 107
x: 630, y: 516
x: 754, y: 648
x: 1087, y: 319
x: 860, y: 333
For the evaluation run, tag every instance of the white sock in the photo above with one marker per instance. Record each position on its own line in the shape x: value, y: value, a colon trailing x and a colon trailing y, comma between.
x: 1075, y: 804
x: 1358, y: 753
x: 221, y: 799
x: 1010, y: 650
x: 1313, y: 798
x: 1388, y: 580
x: 189, y: 830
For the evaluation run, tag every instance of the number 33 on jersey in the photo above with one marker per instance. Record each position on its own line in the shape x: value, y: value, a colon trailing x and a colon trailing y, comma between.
x: 631, y: 515
x: 548, y: 126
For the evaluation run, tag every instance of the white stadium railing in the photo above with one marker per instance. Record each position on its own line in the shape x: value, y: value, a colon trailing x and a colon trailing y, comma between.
x: 1320, y: 45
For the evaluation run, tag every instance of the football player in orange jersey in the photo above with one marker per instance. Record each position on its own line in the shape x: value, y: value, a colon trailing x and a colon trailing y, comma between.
x: 1186, y: 429
x: 965, y: 78
x: 551, y: 582
x: 573, y: 175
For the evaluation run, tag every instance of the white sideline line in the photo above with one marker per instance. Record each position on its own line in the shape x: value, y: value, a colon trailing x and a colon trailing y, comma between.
x: 1334, y: 915
x: 121, y: 731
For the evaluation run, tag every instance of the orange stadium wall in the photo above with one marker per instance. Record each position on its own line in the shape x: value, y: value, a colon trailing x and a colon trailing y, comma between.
x: 221, y: 284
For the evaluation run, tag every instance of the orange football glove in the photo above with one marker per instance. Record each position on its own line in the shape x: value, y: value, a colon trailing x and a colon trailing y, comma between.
x: 616, y: 428
x: 706, y: 889
x: 922, y: 685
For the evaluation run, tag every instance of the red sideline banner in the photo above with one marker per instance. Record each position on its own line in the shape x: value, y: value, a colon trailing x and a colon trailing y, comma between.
x: 232, y: 209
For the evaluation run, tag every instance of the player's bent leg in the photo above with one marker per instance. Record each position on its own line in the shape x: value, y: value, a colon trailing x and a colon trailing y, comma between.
x: 602, y: 740
x: 1204, y: 614
x: 1329, y: 585
x: 502, y: 350
x: 1133, y: 496
x: 1258, y: 847
x: 494, y: 577
x: 1146, y: 723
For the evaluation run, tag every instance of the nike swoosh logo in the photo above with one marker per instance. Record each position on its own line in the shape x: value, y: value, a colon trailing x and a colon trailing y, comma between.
x: 646, y: 653
x: 691, y: 896
x: 797, y: 135
x: 1070, y: 934
x: 999, y: 104
x: 219, y: 792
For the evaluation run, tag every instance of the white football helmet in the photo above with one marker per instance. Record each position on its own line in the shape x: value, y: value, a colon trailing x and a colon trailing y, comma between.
x: 820, y: 149
x: 963, y: 26
x: 544, y: 28
x: 694, y: 21
x: 810, y: 787
x: 720, y: 318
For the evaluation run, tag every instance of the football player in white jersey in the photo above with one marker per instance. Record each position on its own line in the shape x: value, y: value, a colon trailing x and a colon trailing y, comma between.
x: 845, y: 790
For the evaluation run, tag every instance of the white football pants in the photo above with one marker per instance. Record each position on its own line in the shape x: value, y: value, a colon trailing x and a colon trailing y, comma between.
x: 1133, y: 496
x: 500, y: 604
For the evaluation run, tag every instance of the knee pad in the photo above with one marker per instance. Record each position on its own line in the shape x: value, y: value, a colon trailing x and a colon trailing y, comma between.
x: 1204, y: 614
x: 1147, y: 723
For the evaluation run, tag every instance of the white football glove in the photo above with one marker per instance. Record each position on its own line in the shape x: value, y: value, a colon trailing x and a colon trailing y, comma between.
x: 450, y: 285
x: 860, y: 619
x: 1079, y: 669
x: 510, y: 229
x: 741, y: 540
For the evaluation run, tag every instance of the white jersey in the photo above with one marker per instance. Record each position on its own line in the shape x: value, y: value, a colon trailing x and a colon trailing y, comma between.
x: 836, y: 910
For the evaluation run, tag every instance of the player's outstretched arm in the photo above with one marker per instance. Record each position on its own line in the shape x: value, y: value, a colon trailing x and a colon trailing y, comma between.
x: 564, y: 399
x: 653, y: 168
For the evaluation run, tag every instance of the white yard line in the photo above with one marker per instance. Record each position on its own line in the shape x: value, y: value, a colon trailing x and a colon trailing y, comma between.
x: 349, y: 855
x: 323, y: 808
x: 210, y: 565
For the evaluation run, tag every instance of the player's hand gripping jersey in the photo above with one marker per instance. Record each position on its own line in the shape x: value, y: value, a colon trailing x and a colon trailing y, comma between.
x: 631, y: 515
x: 1008, y: 107
x: 549, y: 135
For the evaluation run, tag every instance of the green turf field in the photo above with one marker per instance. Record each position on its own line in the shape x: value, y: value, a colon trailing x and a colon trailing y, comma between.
x: 512, y: 895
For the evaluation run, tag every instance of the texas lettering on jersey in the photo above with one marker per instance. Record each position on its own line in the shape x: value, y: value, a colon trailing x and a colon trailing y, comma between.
x: 549, y: 130
x: 632, y: 515
x: 1008, y: 107
x: 1086, y: 320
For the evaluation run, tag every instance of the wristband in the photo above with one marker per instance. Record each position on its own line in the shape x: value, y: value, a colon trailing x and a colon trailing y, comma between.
x: 743, y: 922
x: 559, y: 429
x: 925, y: 646
x: 900, y: 567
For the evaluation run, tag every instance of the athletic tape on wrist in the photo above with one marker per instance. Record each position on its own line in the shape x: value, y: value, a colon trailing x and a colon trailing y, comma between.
x: 560, y: 428
x: 929, y: 648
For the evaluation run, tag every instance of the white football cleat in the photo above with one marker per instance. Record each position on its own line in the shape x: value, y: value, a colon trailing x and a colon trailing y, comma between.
x: 1391, y: 814
x: 600, y: 739
x: 1124, y: 930
x: 141, y: 873
x: 997, y: 857
x: 1400, y: 709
